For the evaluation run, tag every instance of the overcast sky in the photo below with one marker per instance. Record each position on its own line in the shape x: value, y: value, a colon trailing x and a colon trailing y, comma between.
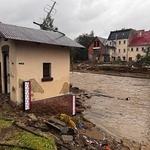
x: 75, y: 17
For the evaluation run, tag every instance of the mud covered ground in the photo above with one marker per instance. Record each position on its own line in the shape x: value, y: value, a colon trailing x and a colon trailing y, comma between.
x: 120, y: 105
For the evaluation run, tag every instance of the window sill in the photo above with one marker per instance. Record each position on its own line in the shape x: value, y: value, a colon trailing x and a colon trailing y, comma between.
x: 45, y: 79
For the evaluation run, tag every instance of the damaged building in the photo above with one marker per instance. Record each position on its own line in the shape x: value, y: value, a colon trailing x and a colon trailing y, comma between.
x: 35, y: 67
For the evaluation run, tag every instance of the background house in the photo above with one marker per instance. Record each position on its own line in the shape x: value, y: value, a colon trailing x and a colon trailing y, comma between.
x: 99, y: 50
x: 139, y: 43
x: 120, y: 40
x: 41, y: 57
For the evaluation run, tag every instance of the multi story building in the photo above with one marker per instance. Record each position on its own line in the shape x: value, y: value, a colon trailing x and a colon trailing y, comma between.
x: 139, y: 43
x: 120, y: 40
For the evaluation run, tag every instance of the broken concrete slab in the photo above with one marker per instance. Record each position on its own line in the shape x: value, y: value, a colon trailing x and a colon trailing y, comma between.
x: 67, y: 138
x: 57, y: 121
x: 32, y: 117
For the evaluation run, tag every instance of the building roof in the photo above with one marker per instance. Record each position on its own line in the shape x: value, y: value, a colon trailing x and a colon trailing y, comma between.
x: 35, y: 35
x: 103, y: 40
x: 119, y: 34
x: 141, y: 38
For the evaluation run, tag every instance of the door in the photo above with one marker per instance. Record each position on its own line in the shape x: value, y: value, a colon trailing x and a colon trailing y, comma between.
x: 6, y: 74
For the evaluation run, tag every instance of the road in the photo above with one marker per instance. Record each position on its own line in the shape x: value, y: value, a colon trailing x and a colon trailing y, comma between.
x: 110, y: 109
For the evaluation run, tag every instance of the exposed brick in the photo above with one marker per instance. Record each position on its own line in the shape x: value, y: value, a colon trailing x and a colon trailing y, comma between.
x: 56, y: 105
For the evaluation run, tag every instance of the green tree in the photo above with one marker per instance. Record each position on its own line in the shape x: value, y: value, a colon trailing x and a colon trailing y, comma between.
x: 144, y: 60
x: 82, y: 54
x: 138, y: 57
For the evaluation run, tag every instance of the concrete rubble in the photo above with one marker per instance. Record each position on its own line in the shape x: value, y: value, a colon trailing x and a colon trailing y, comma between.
x: 82, y: 136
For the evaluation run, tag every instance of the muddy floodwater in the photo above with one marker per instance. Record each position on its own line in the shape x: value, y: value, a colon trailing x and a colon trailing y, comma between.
x: 110, y: 109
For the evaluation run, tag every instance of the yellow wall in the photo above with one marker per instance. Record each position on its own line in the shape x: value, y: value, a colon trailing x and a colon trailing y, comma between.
x: 120, y: 47
x: 26, y: 64
x: 133, y: 51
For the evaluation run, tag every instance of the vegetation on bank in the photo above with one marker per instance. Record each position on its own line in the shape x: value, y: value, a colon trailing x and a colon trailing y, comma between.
x: 17, y: 139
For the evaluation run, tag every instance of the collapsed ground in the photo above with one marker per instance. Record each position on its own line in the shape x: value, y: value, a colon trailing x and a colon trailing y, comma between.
x: 122, y: 123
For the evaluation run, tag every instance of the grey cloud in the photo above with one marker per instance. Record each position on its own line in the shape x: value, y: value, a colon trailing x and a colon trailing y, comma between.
x: 75, y: 17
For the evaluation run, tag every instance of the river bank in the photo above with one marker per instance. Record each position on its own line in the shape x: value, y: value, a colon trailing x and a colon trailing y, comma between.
x: 121, y: 118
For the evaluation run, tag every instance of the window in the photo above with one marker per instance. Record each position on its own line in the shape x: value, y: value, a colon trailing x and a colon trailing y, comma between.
x: 124, y: 50
x: 137, y: 49
x: 130, y: 58
x: 114, y: 42
x: 119, y: 42
x: 97, y: 43
x: 119, y: 58
x: 47, y: 72
x: 124, y: 42
x: 142, y: 48
x: 110, y: 43
x: 113, y: 58
x: 119, y: 50
x: 131, y: 49
x: 94, y: 43
x: 124, y: 58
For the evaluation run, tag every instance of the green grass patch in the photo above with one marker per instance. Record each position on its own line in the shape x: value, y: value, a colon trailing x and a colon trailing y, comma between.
x: 28, y: 140
x: 4, y: 124
x: 17, y: 139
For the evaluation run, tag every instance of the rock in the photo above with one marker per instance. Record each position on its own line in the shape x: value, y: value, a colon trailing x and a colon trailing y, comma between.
x: 130, y: 145
x: 67, y: 138
x: 57, y: 121
x: 32, y: 117
x: 145, y: 147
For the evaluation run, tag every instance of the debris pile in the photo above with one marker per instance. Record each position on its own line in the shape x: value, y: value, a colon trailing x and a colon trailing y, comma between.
x: 113, y: 68
x: 68, y: 132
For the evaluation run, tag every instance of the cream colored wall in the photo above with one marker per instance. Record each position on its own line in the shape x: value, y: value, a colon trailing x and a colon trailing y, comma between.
x: 26, y: 63
x: 30, y: 59
x: 134, y: 53
x: 12, y: 67
x: 121, y: 46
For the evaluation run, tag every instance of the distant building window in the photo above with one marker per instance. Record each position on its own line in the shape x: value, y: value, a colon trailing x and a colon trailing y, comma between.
x: 113, y: 58
x: 131, y: 49
x: 47, y: 72
x: 119, y: 50
x: 114, y: 42
x: 143, y: 48
x: 119, y: 42
x: 137, y: 49
x: 119, y: 58
x: 97, y: 43
x: 124, y: 50
x: 123, y: 58
x: 124, y: 42
x: 94, y: 43
x: 130, y: 58
x: 110, y: 43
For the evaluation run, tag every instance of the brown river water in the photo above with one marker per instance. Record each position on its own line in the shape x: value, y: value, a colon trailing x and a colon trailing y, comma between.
x: 111, y: 111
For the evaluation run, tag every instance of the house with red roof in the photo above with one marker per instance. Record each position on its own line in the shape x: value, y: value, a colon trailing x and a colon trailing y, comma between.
x: 140, y: 42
